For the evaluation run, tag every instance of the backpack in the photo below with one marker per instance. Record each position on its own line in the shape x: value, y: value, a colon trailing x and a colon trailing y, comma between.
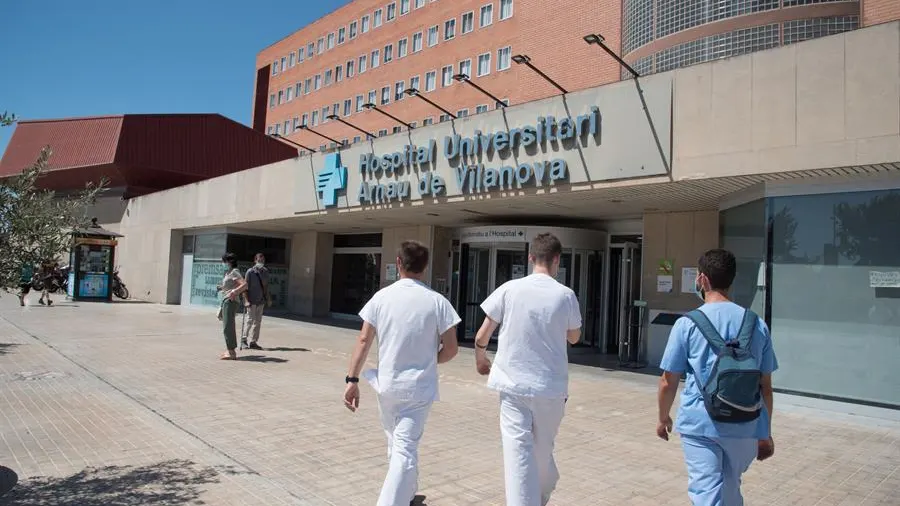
x: 731, y: 393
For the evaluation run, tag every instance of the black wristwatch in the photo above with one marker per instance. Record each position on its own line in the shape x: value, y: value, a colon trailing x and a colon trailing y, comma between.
x: 353, y: 379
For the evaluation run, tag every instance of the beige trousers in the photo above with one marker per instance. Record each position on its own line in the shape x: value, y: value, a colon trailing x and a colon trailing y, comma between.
x: 254, y: 320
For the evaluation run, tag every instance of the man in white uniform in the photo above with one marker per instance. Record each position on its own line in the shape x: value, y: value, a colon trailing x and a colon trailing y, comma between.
x: 416, y: 330
x: 537, y: 315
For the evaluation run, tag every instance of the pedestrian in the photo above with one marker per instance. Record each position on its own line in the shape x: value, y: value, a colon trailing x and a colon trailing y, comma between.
x: 726, y: 405
x: 257, y: 299
x: 45, y: 274
x: 232, y: 286
x: 26, y: 277
x: 416, y: 329
x: 537, y: 315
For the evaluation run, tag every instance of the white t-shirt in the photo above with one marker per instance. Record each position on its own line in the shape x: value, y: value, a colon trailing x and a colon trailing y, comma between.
x: 409, y: 318
x: 535, y: 313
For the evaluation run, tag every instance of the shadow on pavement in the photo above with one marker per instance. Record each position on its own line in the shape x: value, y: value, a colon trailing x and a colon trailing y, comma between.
x: 260, y: 358
x: 166, y: 483
x: 7, y: 347
x: 282, y: 348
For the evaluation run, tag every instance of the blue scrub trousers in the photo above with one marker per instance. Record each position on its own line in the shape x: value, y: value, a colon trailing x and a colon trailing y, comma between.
x: 715, y: 467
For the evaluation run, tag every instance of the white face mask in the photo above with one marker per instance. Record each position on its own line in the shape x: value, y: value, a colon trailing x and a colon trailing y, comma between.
x: 698, y: 290
x: 260, y: 264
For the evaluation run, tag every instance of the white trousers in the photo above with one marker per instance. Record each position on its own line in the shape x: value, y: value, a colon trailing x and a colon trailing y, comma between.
x: 404, y: 424
x: 528, y: 426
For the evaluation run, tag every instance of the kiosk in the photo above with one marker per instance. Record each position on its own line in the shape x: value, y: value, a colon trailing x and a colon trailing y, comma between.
x: 91, y: 261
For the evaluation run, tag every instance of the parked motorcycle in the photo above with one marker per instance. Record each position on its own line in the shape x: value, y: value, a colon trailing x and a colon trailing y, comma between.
x: 118, y: 287
x: 58, y: 280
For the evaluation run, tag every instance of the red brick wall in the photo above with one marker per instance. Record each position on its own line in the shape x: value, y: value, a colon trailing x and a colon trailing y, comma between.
x: 550, y: 32
x: 879, y: 11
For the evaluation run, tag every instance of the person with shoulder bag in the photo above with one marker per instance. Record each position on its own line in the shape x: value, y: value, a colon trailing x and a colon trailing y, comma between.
x: 232, y: 286
x: 257, y: 299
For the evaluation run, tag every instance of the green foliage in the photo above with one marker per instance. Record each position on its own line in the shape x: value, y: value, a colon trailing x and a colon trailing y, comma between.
x: 37, y: 224
x: 7, y: 119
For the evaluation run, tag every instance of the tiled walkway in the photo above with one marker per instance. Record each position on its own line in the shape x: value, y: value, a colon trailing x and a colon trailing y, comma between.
x: 104, y: 404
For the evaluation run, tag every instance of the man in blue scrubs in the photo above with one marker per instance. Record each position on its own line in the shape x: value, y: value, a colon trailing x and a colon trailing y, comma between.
x: 716, y: 453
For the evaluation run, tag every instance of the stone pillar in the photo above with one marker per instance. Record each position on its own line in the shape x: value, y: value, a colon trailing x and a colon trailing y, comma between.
x: 309, y: 285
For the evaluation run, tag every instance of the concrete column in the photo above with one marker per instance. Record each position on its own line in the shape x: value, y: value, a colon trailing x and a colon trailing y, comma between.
x: 173, y: 274
x: 441, y: 250
x: 309, y: 286
x: 391, y: 239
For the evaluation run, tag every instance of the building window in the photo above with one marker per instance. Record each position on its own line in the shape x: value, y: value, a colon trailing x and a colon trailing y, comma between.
x: 468, y: 22
x: 444, y: 118
x: 805, y: 29
x: 420, y: 4
x: 465, y: 67
x: 287, y: 127
x: 484, y: 64
x: 427, y: 121
x: 315, y: 118
x: 413, y: 124
x: 299, y: 90
x: 351, y: 65
x: 487, y: 15
x: 395, y: 130
x: 320, y: 46
x: 304, y: 120
x: 398, y: 90
x: 356, y: 139
x: 506, y: 9
x: 307, y: 86
x: 317, y: 82
x: 272, y: 100
x: 417, y: 42
x: 275, y: 68
x: 325, y: 114
x: 290, y: 94
x: 373, y: 95
x: 280, y: 97
x: 353, y: 30
x: 339, y: 73
x: 430, y: 79
x: 277, y: 128
x: 376, y: 58
x: 291, y: 60
x: 329, y: 76
x: 382, y: 133
x: 300, y: 55
x: 503, y: 58
x: 283, y: 64
x: 364, y: 24
x: 348, y: 107
x: 450, y: 29
x: 413, y: 83
x: 462, y: 113
x: 433, y: 36
x: 402, y: 48
x: 270, y: 130
x: 362, y: 63
x: 504, y: 101
x: 377, y: 21
x: 330, y: 41
x: 342, y: 35
x: 386, y: 95
x: 480, y: 109
x: 447, y: 76
x: 336, y: 109
x: 391, y: 11
x: 359, y: 103
x: 310, y: 50
x: 404, y: 7
x: 388, y: 53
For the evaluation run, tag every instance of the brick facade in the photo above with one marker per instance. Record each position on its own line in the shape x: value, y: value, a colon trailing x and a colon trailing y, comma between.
x: 879, y: 11
x: 550, y: 34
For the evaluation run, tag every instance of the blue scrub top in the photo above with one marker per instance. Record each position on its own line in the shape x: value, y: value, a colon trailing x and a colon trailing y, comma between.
x: 687, y: 350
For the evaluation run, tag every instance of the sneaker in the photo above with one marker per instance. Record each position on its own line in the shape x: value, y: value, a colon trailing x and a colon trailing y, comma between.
x: 41, y: 301
x: 49, y: 302
x: 244, y: 344
x: 254, y: 346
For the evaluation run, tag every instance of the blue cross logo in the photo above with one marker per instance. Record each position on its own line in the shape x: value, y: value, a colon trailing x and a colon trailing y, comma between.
x: 331, y: 180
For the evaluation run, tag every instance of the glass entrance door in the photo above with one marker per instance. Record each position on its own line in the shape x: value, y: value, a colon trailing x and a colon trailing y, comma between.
x: 355, y: 277
x: 587, y: 283
x: 478, y: 287
x: 629, y: 288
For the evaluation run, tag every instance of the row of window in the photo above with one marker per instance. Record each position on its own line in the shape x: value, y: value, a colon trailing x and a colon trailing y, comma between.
x: 504, y: 61
x: 313, y: 119
x: 364, y: 25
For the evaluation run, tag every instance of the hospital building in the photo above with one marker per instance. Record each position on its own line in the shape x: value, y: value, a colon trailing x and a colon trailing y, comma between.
x: 770, y: 128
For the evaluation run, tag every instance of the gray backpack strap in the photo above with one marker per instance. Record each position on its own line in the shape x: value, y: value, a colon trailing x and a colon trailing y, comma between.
x: 748, y: 328
x: 707, y: 329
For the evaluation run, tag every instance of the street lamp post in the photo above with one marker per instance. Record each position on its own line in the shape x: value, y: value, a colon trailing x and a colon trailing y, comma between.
x: 463, y: 78
x: 351, y: 125
x: 412, y: 92
x: 372, y: 107
x: 304, y: 127
x: 285, y: 139
x: 524, y: 59
x: 596, y: 38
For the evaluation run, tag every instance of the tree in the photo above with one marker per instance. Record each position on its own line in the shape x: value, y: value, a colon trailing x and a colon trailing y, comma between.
x: 37, y: 224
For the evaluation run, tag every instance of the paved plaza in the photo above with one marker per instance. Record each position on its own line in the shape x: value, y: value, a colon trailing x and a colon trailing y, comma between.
x: 127, y: 404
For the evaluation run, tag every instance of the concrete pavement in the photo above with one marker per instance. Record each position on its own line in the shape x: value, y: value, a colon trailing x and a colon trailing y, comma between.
x: 127, y: 404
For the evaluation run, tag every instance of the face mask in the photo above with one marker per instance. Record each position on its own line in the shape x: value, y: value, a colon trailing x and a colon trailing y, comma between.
x: 698, y: 290
x: 260, y: 264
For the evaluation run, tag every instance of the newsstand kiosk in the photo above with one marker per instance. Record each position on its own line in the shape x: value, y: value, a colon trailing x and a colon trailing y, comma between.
x: 91, y: 262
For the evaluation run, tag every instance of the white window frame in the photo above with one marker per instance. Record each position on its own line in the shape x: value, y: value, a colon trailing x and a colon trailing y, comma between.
x: 301, y: 55
x: 289, y: 94
x: 478, y: 70
x: 398, y: 96
x: 512, y: 9
x: 468, y: 62
x: 291, y: 62
x: 372, y: 97
x: 389, y: 90
x: 272, y: 101
x: 364, y: 24
x: 481, y: 23
x: 421, y: 42
x: 437, y: 35
x: 377, y: 18
x: 402, y: 48
x: 280, y: 97
x: 408, y: 7
x: 388, y: 55
x: 418, y: 4
x: 339, y: 73
x: 353, y: 30
x: 481, y: 108
x: 351, y: 68
x: 375, y: 59
x: 360, y: 100
x: 362, y: 64
x: 304, y: 119
x: 275, y: 68
x: 341, y: 35
x: 329, y: 41
x: 418, y: 82
x: 462, y: 113
x: 451, y: 22
x: 317, y: 82
x: 307, y: 85
x: 462, y: 23
x: 348, y: 107
x: 500, y: 61
x: 328, y: 78
x: 446, y: 76
x: 433, y: 75
x: 387, y: 14
x: 320, y: 45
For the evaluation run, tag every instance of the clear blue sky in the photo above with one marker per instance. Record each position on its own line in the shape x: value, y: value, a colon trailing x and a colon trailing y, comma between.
x: 61, y: 58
